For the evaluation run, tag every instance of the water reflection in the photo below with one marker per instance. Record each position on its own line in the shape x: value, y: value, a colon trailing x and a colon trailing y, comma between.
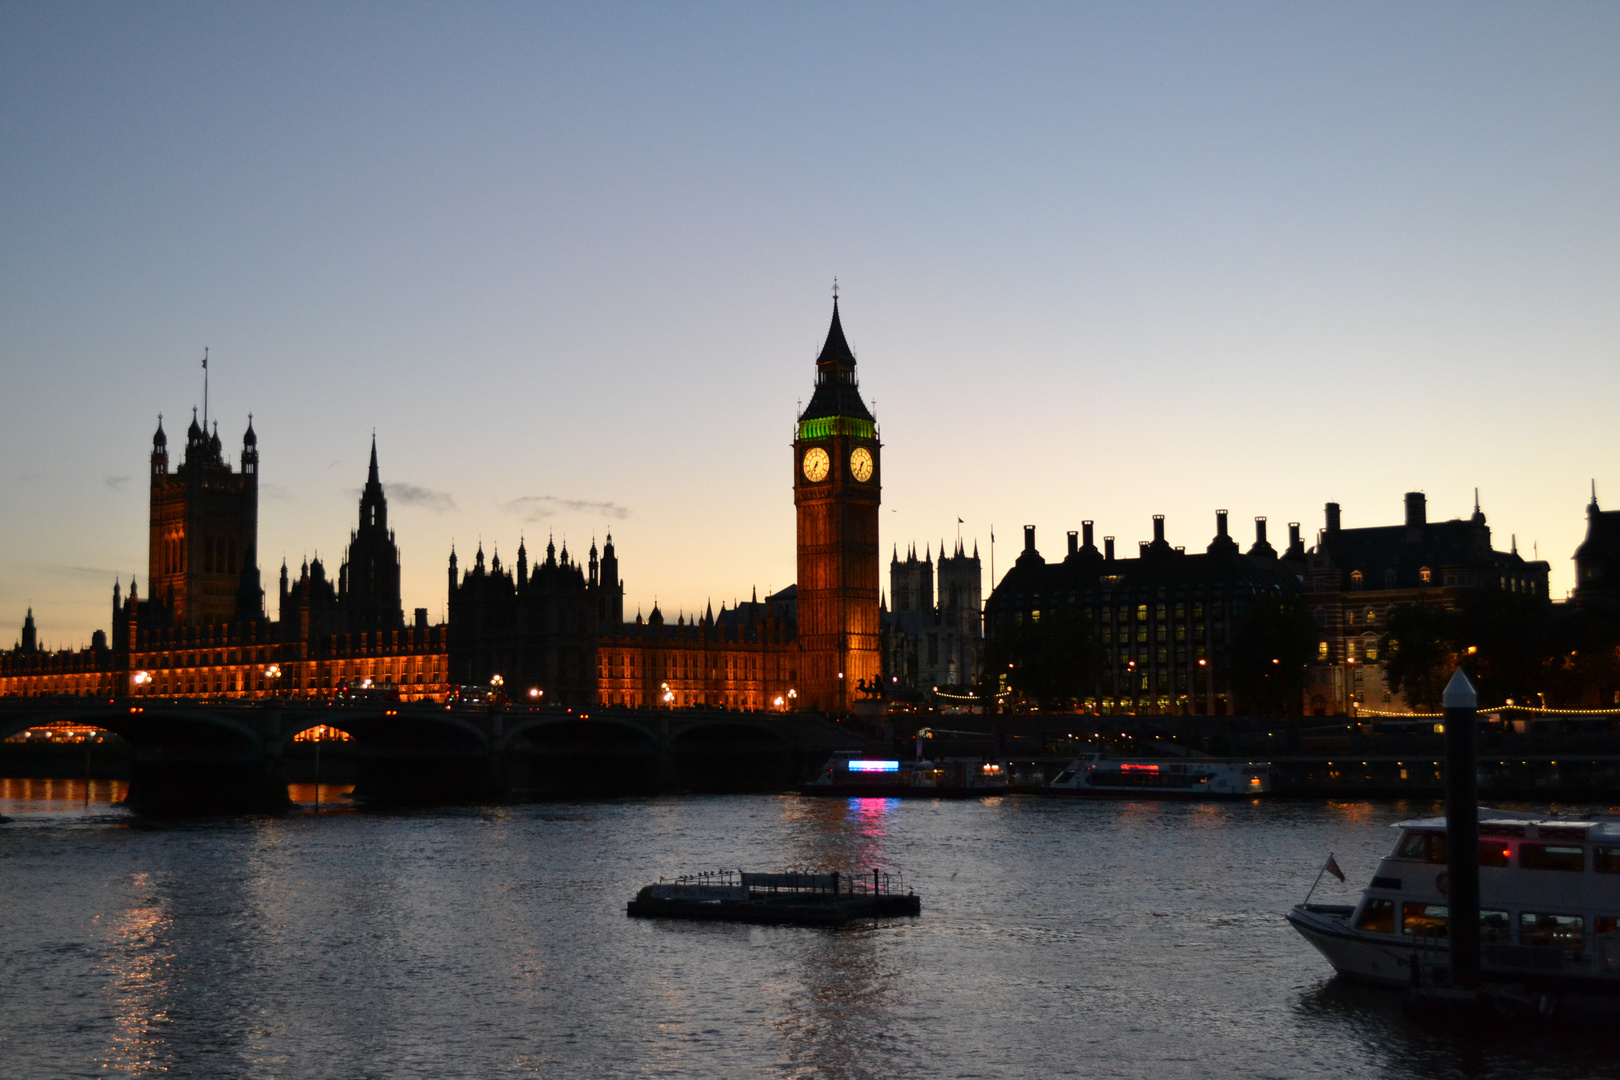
x: 136, y: 962
x: 329, y: 798
x: 1395, y: 1043
x: 21, y: 795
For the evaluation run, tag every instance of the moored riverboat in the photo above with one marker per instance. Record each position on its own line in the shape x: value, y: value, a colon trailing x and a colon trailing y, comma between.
x: 805, y: 899
x: 850, y: 775
x: 1549, y: 912
x: 1195, y: 778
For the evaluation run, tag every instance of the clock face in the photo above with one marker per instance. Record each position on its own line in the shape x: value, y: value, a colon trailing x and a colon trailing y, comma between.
x: 816, y: 464
x: 860, y: 464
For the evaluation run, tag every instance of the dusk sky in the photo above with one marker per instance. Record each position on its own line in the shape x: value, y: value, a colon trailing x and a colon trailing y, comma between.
x: 573, y: 266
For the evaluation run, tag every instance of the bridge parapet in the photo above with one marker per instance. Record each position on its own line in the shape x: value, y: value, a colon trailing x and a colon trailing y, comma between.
x: 214, y: 756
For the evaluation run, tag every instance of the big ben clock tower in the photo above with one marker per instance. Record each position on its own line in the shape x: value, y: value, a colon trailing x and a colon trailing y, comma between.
x: 836, y: 483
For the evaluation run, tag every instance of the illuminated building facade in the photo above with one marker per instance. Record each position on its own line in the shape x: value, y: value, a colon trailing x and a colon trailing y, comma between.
x: 204, y: 527
x: 837, y: 479
x: 556, y: 628
x: 934, y: 639
x: 536, y: 630
x: 206, y: 634
x: 1163, y: 621
x: 744, y: 658
x: 1353, y: 577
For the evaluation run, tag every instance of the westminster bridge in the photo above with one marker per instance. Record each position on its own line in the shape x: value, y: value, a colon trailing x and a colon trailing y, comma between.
x: 217, y: 756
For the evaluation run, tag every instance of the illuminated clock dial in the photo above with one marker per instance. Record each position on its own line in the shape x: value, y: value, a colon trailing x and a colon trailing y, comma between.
x: 816, y: 464
x: 860, y: 464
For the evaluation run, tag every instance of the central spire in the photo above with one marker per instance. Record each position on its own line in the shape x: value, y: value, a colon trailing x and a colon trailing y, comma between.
x: 837, y: 390
x: 836, y: 357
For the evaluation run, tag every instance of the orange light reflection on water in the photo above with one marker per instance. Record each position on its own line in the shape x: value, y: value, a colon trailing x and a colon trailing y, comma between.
x: 21, y: 794
x: 333, y: 797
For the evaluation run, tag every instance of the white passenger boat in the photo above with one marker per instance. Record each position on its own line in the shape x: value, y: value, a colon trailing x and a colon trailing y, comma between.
x: 1549, y: 918
x: 852, y: 775
x: 1194, y: 778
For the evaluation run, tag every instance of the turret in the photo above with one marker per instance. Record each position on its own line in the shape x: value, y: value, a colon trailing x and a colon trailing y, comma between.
x: 160, y: 451
x: 250, y: 450
x: 30, y: 635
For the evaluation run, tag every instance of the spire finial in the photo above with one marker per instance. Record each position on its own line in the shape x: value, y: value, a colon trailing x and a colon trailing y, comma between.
x: 835, y: 290
x: 1476, y: 500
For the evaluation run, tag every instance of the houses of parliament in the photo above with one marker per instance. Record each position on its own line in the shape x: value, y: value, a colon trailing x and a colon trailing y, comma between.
x: 550, y: 631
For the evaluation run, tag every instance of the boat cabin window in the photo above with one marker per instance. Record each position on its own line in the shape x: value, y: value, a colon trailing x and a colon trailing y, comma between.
x: 1605, y: 925
x: 1551, y: 931
x: 1423, y: 847
x: 1494, y: 853
x: 1606, y: 860
x: 1377, y: 916
x: 1551, y: 857
x: 1500, y: 828
x: 1495, y: 926
x: 1424, y: 920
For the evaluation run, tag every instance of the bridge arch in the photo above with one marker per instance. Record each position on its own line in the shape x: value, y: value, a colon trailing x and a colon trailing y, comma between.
x: 731, y: 756
x: 566, y: 755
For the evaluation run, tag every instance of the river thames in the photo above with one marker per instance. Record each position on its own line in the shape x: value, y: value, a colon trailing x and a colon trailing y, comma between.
x: 1096, y: 939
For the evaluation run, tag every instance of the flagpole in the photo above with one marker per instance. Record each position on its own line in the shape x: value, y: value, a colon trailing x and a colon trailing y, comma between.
x: 1318, y: 880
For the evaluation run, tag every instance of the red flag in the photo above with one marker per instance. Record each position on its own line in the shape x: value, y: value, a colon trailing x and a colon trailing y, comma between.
x: 1332, y: 867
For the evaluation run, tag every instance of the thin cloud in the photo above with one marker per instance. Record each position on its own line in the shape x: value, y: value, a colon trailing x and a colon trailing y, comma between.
x: 539, y: 507
x: 278, y: 492
x: 427, y: 498
x: 115, y: 482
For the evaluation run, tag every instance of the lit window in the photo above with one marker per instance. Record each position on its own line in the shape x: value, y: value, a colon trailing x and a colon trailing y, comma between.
x: 1426, y: 575
x: 1551, y: 931
x: 1321, y: 650
x: 1378, y: 917
x: 1424, y: 920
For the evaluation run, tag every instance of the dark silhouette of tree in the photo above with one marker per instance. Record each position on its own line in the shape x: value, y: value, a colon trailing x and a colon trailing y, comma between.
x: 1419, y: 653
x: 1053, y: 661
x: 1505, y: 641
x: 1271, y: 647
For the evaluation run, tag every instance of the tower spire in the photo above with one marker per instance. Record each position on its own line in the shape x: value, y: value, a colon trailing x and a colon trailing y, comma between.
x: 205, y: 389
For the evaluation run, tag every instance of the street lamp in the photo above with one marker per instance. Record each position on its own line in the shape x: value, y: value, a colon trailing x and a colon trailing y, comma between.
x: 140, y: 679
x: 535, y: 693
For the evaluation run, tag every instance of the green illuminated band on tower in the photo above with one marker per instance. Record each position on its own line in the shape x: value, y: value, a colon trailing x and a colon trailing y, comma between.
x: 823, y: 426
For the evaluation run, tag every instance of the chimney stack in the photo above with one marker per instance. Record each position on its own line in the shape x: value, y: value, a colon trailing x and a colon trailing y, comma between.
x: 1074, y: 542
x: 1259, y: 532
x: 1158, y: 528
x: 1332, y: 518
x: 1029, y: 538
x: 1108, y: 548
x: 1086, y: 537
x: 1220, y: 523
x: 1293, y: 535
x: 1417, y: 512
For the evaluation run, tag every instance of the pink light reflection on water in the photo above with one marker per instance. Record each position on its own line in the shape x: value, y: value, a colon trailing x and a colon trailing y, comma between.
x: 872, y: 818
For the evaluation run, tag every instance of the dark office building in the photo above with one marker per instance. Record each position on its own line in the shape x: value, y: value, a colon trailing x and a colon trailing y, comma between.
x: 1163, y: 620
